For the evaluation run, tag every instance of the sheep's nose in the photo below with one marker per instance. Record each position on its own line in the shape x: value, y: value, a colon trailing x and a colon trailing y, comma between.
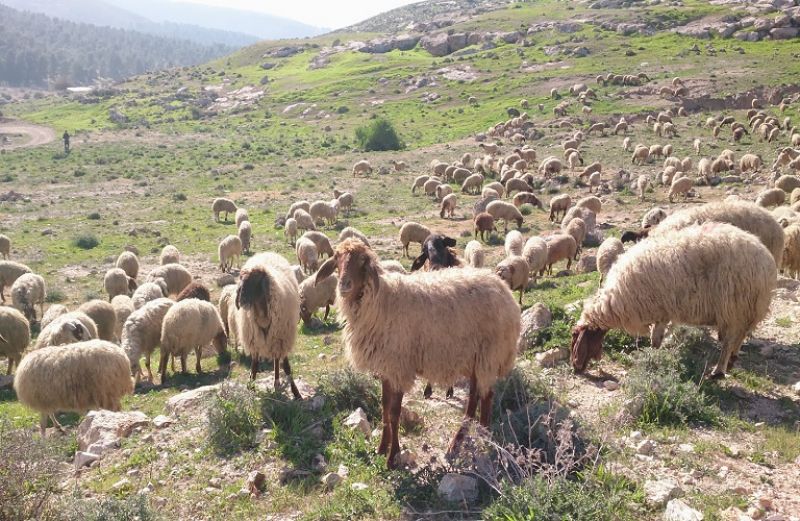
x: 345, y: 286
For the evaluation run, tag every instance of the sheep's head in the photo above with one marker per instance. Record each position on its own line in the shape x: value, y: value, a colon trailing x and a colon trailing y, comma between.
x: 221, y: 342
x: 77, y: 330
x: 132, y: 285
x: 254, y: 290
x: 587, y: 344
x: 358, y: 267
x: 436, y: 250
x: 505, y: 272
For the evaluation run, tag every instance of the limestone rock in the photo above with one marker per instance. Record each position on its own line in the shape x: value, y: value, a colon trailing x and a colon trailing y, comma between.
x: 457, y: 488
x: 552, y: 356
x: 358, y: 420
x: 190, y: 401
x: 105, y: 428
x: 658, y: 492
x: 535, y: 318
x: 678, y: 510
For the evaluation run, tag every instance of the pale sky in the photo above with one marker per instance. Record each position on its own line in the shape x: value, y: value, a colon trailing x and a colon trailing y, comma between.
x: 322, y: 13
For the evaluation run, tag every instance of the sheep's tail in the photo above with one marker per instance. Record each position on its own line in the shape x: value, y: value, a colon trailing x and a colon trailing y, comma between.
x: 254, y: 289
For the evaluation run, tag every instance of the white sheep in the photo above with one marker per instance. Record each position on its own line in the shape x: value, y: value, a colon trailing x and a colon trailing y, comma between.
x: 448, y: 206
x: 290, y: 230
x: 653, y: 216
x: 321, y: 241
x: 345, y: 199
x: 559, y: 205
x: 5, y: 246
x: 419, y: 182
x: 123, y: 307
x: 169, y: 255
x: 514, y: 271
x: 27, y: 291
x: 535, y: 252
x: 313, y: 296
x: 506, y: 211
x: 307, y: 254
x: 175, y: 276
x: 15, y: 335
x: 190, y: 325
x: 641, y: 185
x: 362, y: 167
x: 245, y: 235
x: 680, y: 186
x: 474, y: 254
x: 103, y: 315
x: 75, y: 326
x: 220, y: 205
x: 9, y: 272
x: 299, y: 205
x: 229, y: 249
x: 607, y: 254
x: 141, y: 334
x: 412, y: 232
x: 241, y: 216
x: 559, y: 247
x: 117, y: 282
x: 304, y: 220
x: 514, y: 243
x: 128, y: 262
x: 351, y: 232
x: 149, y: 291
x: 323, y: 211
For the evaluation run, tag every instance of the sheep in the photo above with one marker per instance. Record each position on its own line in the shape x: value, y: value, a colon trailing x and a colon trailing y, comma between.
x: 117, y: 282
x: 52, y: 313
x: 712, y: 274
x: 437, y: 253
x: 5, y: 247
x: 794, y: 196
x: 788, y: 183
x: 498, y: 188
x: 141, y: 334
x: 419, y: 182
x: 696, y: 144
x: 626, y: 144
x: 73, y: 378
x: 641, y: 186
x: 559, y: 205
x: 526, y: 198
x: 299, y: 205
x: 354, y: 233
x: 448, y: 206
x: 362, y: 167
x: 190, y: 325
x: 559, y: 247
x: 399, y: 166
x: 393, y: 266
x: 641, y: 154
x: 514, y: 243
x: 169, y: 255
x: 635, y: 235
x: 27, y: 291
x: 790, y: 262
x: 307, y: 255
x: 686, y: 164
x: 269, y: 302
x: 590, y: 203
x: 771, y: 197
x: 430, y: 186
x: 129, y: 263
x: 517, y: 185
x: 474, y: 254
x: 149, y: 291
x: 535, y: 253
x: 656, y: 151
x: 175, y: 276
x: 443, y: 191
x: 550, y: 166
x: 220, y: 205
x: 229, y: 249
x: 66, y: 329
x: 747, y: 216
x: 194, y: 290
x: 15, y: 335
x: 472, y: 184
x: 750, y: 162
x: 9, y: 272
x: 506, y: 211
x: 680, y: 186
x: 483, y: 223
x: 103, y: 315
x: 290, y: 230
x: 321, y: 241
x: 240, y: 216
x: 514, y: 271
x: 321, y: 210
x: 399, y: 348
x: 313, y: 297
x: 412, y: 232
x: 607, y: 254
x: 123, y: 307
x: 576, y: 228
x: 304, y: 220
x: 653, y: 216
x: 345, y: 199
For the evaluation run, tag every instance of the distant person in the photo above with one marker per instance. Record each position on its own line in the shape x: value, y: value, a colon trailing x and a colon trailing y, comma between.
x: 65, y: 137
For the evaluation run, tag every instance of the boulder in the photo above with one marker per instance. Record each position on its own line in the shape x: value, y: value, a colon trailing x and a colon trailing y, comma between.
x: 103, y: 429
x: 436, y: 44
x: 456, y: 41
x: 457, y: 488
x: 784, y: 33
x: 552, y: 356
x: 678, y: 510
x: 358, y: 420
x: 658, y: 492
x: 534, y: 318
x: 190, y: 401
x: 586, y: 264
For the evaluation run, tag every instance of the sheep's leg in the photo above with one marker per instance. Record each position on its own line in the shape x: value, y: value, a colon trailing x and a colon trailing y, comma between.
x: 197, y: 367
x: 728, y: 354
x: 386, y: 435
x: 173, y: 363
x: 486, y: 408
x: 43, y: 424
x: 287, y: 369
x: 277, y: 372
x: 253, y: 366
x: 521, y: 291
x: 657, y: 334
x: 56, y: 424
x: 735, y: 348
x: 147, y: 366
x: 428, y: 392
x: 469, y: 413
x: 394, y: 427
x: 327, y: 310
x: 10, y: 363
x: 184, y: 356
x: 162, y: 366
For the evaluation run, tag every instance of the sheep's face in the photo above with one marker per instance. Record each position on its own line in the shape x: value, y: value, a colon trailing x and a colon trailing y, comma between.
x: 305, y: 314
x: 436, y: 250
x: 505, y: 272
x: 358, y: 267
x: 220, y: 342
x: 587, y: 344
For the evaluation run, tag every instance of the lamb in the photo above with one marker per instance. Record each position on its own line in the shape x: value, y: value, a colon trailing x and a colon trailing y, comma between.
x: 15, y: 335
x: 245, y: 235
x: 313, y: 297
x: 443, y: 191
x: 141, y: 334
x: 472, y: 184
x: 362, y: 167
x: 514, y: 271
x: 299, y: 205
x: 399, y: 348
x: 681, y: 185
x: 269, y: 302
x: 412, y: 232
x: 559, y: 205
x: 229, y: 249
x: 52, y: 313
x: 506, y: 211
x: 419, y: 182
x: 535, y: 252
x: 307, y: 254
x: 321, y: 241
x: 641, y: 154
x: 635, y: 235
x: 241, y: 216
x: 550, y: 166
x: 129, y: 263
x: 220, y: 205
x: 607, y: 254
x: 483, y: 224
x: 304, y: 220
x: 321, y: 210
x: 117, y: 282
x: 514, y: 243
x: 149, y: 291
x: 5, y: 246
x: 750, y: 162
x: 27, y: 291
x: 194, y: 290
x: 527, y: 198
x: 399, y: 166
x: 123, y: 307
x: 190, y: 325
x: 437, y: 253
x: 559, y: 247
x: 730, y: 277
x: 73, y: 378
x: 745, y: 215
x: 474, y: 254
x: 771, y: 197
x: 103, y: 315
x: 175, y: 276
x: 66, y: 329
x: 9, y: 272
x: 345, y: 199
x: 351, y: 232
x: 290, y: 230
x: 653, y: 216
x: 170, y: 255
x: 591, y: 203
x: 448, y: 206
x: 641, y: 185
x: 626, y: 144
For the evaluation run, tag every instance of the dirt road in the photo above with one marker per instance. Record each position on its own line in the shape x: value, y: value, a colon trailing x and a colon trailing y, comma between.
x: 19, y: 134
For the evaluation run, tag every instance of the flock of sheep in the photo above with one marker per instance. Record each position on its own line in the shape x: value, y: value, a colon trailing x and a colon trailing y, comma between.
x: 713, y: 264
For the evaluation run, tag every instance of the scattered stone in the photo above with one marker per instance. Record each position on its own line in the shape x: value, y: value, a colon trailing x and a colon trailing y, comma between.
x: 586, y: 264
x: 636, y: 436
x: 535, y: 318
x: 256, y: 482
x: 148, y: 489
x: 458, y: 488
x: 796, y: 388
x: 84, y: 459
x: 657, y: 493
x: 330, y: 480
x: 359, y: 486
x: 358, y: 420
x: 102, y: 430
x: 162, y: 421
x: 765, y: 502
x: 678, y: 510
x: 190, y: 400
x: 6, y: 381
x: 645, y: 447
x: 552, y: 356
x: 686, y: 447
x: 121, y: 484
x: 611, y: 385
x: 225, y: 279
x: 406, y: 458
x: 410, y: 420
x: 215, y: 482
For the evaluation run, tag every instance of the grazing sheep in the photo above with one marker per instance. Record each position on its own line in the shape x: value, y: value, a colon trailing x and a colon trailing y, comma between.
x: 497, y: 187
x: 576, y: 228
x: 517, y: 185
x: 241, y: 216
x: 641, y: 155
x: 123, y: 307
x: 419, y: 182
x: 653, y: 216
x: 790, y: 262
x: 175, y: 276
x: 52, y: 313
x: 269, y: 302
x: 448, y: 206
x: 535, y: 252
x: 27, y: 291
x: 194, y: 290
x: 641, y: 185
x: 307, y: 255
x: 345, y: 199
x: 483, y: 223
x: 474, y: 254
x: 514, y: 271
x: 354, y: 233
x: 506, y: 211
x: 437, y: 253
x: 680, y: 186
x: 386, y: 331
x: 15, y: 335
x: 149, y: 291
x: 323, y: 211
x: 66, y: 329
x: 559, y: 205
x: 750, y: 162
x: 129, y: 263
x: 321, y: 241
x: 712, y: 274
x: 788, y: 183
x: 514, y: 243
x: 103, y: 315
x: 9, y: 272
x: 697, y: 144
x: 170, y: 255
x: 626, y: 144
x: 290, y: 230
x: 190, y: 325
x: 399, y: 166
x: 607, y: 254
x: 141, y: 334
x: 245, y: 235
x: 412, y: 232
x: 73, y: 378
x: 472, y: 184
x: 299, y: 205
x: 229, y: 249
x: 117, y: 282
x: 771, y: 197
x: 313, y: 297
x: 393, y: 266
x: 559, y: 247
x: 220, y: 205
x: 362, y: 167
x: 591, y: 203
x: 550, y: 167
x: 304, y: 220
x: 443, y: 191
x: 5, y: 246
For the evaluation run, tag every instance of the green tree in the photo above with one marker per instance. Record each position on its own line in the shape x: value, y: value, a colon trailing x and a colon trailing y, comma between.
x: 378, y: 135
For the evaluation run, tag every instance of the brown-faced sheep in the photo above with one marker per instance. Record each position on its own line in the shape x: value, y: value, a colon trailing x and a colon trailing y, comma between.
x: 175, y: 276
x: 527, y: 198
x: 514, y: 271
x: 483, y: 224
x: 66, y: 329
x: 194, y: 290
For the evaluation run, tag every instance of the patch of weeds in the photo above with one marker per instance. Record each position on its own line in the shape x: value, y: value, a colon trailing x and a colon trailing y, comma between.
x: 180, y: 196
x: 133, y: 508
x: 783, y: 322
x: 85, y: 241
x: 297, y: 431
x: 54, y: 295
x: 233, y: 419
x: 557, y: 335
x: 781, y: 442
x: 345, y: 390
x: 94, y: 216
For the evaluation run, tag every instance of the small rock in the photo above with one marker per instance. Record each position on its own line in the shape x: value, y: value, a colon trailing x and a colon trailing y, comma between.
x: 343, y: 471
x: 358, y: 420
x: 159, y: 502
x: 611, y: 385
x: 636, y: 436
x: 215, y: 482
x: 410, y: 420
x: 225, y: 279
x: 123, y: 483
x: 330, y: 480
x: 319, y: 464
x: 147, y: 489
x: 359, y: 486
x: 83, y: 459
x: 686, y: 447
x: 406, y: 458
x: 162, y: 421
x: 256, y: 482
x: 796, y: 388
x: 657, y: 493
x: 767, y: 351
x: 552, y: 356
x: 194, y: 400
x: 678, y: 510
x: 533, y: 319
x: 765, y: 502
x: 458, y: 488
x: 102, y: 430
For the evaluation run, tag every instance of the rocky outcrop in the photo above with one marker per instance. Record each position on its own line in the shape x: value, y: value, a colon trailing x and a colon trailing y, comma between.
x: 402, y: 42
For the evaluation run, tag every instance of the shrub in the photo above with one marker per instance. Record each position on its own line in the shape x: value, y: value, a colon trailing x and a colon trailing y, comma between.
x: 233, y: 419
x: 94, y: 216
x: 86, y: 241
x: 346, y: 390
x: 54, y: 295
x: 133, y: 508
x: 377, y: 136
x: 180, y: 196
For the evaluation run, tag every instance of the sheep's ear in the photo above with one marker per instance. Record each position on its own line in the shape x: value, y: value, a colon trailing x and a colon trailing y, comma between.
x: 132, y: 285
x: 77, y: 329
x: 449, y: 242
x: 372, y: 271
x: 3, y: 339
x: 419, y: 262
x: 326, y: 270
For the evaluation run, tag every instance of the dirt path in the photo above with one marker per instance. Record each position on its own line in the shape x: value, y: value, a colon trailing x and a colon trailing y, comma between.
x: 18, y: 134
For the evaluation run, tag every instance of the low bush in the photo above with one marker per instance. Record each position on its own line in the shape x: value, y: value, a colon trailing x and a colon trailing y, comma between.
x: 233, y: 419
x: 378, y: 135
